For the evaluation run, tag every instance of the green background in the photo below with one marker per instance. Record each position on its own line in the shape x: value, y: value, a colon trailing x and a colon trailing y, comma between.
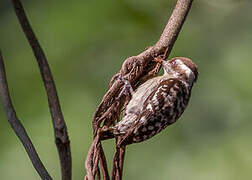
x: 86, y: 42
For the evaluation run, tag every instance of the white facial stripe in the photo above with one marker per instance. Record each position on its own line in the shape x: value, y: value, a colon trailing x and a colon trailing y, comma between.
x: 188, y: 71
x: 166, y: 66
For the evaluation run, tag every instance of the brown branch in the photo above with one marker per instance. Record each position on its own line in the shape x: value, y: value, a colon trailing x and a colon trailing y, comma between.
x: 121, y: 160
x: 137, y: 70
x: 118, y: 162
x: 17, y: 125
x: 134, y: 68
x: 90, y: 162
x: 173, y: 27
x: 60, y: 129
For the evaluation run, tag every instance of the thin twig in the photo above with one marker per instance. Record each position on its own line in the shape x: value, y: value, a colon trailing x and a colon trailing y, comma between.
x: 103, y: 164
x: 115, y: 168
x: 173, y: 27
x: 89, y: 163
x: 118, y: 161
x: 121, y: 160
x: 17, y: 125
x: 60, y: 129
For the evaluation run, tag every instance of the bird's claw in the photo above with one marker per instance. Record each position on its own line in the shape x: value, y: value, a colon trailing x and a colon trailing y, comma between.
x: 127, y: 87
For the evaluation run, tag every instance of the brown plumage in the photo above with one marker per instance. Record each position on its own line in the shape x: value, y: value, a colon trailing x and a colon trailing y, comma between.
x: 158, y: 102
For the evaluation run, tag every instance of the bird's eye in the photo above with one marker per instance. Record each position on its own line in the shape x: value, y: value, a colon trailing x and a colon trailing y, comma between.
x: 173, y: 63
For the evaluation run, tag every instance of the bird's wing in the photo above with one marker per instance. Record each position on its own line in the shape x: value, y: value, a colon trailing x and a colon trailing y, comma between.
x: 169, y: 95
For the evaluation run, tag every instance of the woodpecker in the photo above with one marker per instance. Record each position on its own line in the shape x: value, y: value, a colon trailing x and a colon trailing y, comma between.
x: 158, y: 102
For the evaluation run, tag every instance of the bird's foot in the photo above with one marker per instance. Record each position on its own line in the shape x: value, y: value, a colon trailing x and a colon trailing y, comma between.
x: 127, y: 88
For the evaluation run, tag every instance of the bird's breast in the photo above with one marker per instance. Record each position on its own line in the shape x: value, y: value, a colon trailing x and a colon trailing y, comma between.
x: 141, y: 94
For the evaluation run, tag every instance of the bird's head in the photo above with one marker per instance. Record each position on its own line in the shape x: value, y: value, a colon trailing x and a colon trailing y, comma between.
x: 181, y: 67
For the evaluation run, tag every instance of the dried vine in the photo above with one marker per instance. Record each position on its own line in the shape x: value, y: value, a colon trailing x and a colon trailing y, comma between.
x: 136, y: 69
x: 17, y: 125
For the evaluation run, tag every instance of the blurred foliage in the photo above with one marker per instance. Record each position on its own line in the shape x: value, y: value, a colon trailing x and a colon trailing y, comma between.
x: 86, y: 43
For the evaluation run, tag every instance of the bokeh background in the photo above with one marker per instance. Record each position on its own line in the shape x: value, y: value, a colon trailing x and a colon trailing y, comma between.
x: 86, y: 42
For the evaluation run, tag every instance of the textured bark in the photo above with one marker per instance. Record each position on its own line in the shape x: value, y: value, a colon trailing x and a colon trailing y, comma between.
x: 137, y: 70
x: 17, y: 126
